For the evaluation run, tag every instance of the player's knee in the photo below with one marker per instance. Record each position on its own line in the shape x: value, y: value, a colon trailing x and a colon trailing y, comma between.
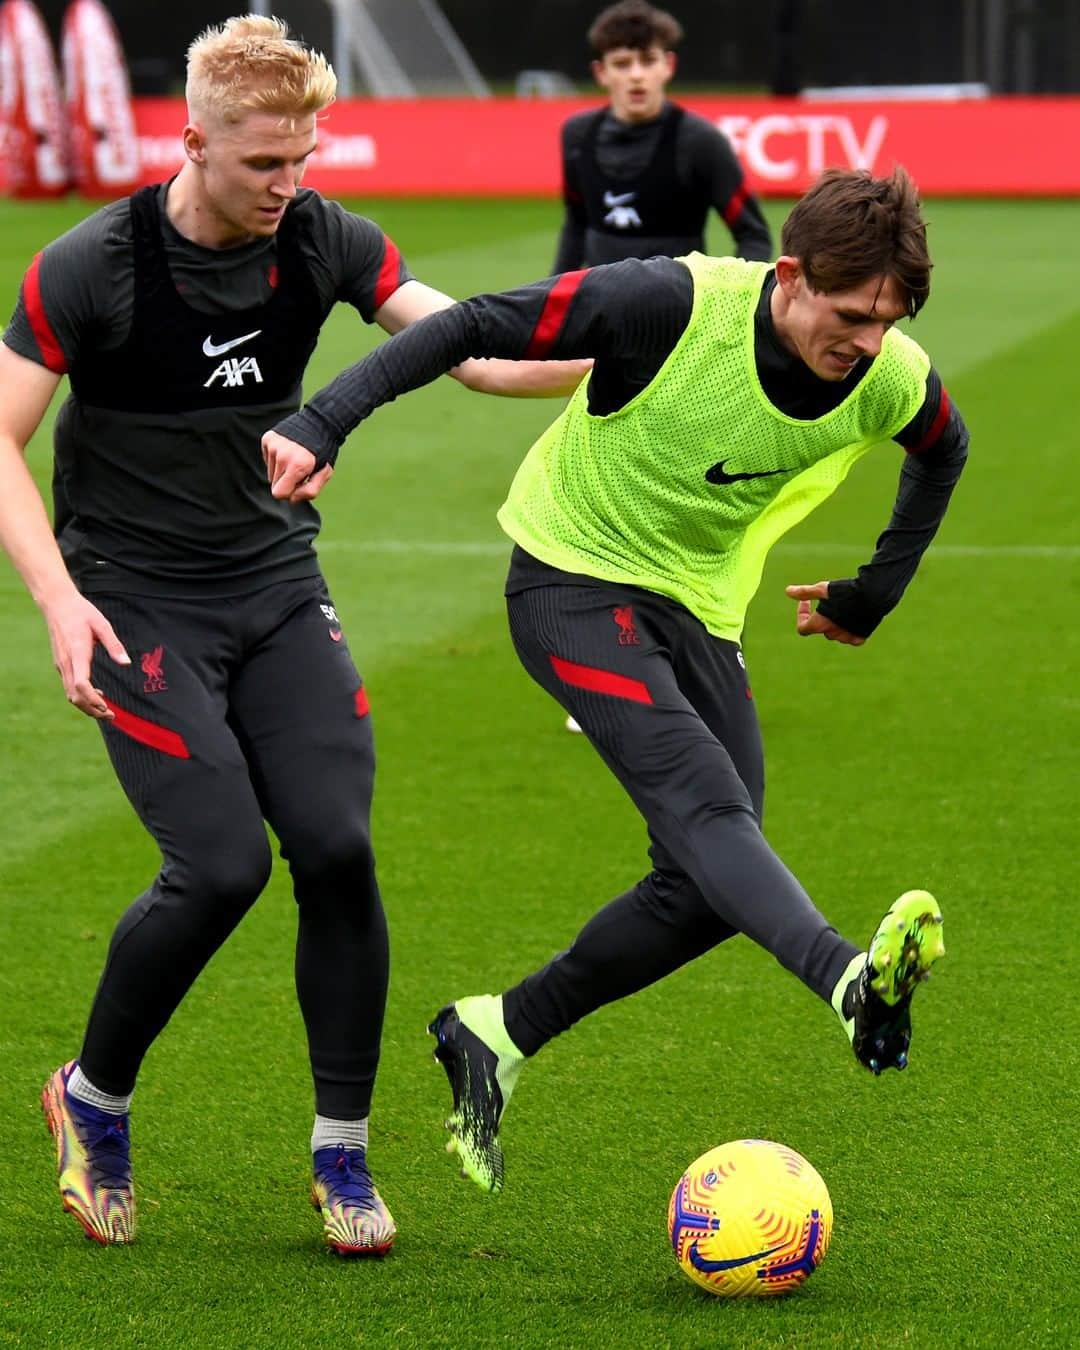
x: 339, y: 859
x: 670, y: 894
x: 233, y: 877
x: 675, y: 900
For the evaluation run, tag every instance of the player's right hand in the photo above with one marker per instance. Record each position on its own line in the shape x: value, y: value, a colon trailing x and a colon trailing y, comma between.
x: 809, y: 620
x: 290, y: 469
x: 75, y: 625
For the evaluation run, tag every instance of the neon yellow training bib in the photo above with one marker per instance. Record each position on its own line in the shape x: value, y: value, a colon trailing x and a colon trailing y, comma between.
x: 685, y: 489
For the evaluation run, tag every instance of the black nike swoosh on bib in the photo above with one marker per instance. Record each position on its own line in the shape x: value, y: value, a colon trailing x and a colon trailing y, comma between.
x: 719, y: 475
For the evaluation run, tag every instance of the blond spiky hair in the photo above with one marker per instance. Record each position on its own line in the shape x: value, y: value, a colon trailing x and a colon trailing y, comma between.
x: 251, y: 64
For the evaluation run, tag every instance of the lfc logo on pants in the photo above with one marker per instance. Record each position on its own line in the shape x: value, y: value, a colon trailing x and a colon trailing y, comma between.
x: 624, y: 617
x: 150, y: 662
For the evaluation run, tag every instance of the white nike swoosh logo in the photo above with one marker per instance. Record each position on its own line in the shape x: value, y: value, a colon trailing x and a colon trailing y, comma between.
x: 209, y: 349
x: 621, y: 199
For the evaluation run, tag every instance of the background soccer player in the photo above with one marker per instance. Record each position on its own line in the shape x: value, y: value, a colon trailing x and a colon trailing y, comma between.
x: 640, y: 176
x: 743, y: 394
x: 185, y: 605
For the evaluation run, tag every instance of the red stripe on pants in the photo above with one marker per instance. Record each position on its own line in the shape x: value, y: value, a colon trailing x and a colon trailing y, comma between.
x: 600, y: 681
x: 148, y: 733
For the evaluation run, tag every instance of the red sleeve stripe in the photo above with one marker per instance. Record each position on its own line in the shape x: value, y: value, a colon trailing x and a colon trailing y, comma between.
x: 44, y: 336
x: 360, y: 702
x: 734, y: 208
x: 149, y: 733
x: 936, y: 427
x: 389, y: 278
x: 553, y: 315
x: 600, y: 681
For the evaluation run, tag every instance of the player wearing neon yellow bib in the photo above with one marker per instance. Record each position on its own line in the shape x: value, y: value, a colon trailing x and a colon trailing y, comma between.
x: 737, y: 471
x: 727, y: 399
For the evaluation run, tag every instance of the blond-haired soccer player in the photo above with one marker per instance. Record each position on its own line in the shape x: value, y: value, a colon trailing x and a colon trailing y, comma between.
x: 728, y: 399
x: 185, y: 605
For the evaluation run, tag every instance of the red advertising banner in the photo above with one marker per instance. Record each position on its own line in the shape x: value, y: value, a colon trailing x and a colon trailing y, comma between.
x: 510, y: 147
x: 33, y: 162
x: 101, y: 124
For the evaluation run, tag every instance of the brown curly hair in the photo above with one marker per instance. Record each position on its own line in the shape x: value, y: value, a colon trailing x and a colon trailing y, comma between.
x: 851, y: 226
x: 635, y: 24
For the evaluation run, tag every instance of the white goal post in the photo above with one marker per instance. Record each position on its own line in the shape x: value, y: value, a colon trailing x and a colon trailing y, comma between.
x: 401, y: 48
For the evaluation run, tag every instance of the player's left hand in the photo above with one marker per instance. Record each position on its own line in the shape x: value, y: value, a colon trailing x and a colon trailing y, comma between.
x: 289, y: 469
x: 809, y: 620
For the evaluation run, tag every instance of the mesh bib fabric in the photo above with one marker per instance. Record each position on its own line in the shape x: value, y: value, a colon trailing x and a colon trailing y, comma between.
x: 625, y: 497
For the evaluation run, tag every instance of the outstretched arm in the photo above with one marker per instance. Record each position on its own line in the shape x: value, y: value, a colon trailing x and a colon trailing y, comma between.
x: 849, y: 610
x: 514, y: 379
x: 300, y: 451
x: 625, y: 315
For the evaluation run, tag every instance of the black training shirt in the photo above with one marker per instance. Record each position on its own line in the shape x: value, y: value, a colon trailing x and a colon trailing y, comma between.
x: 705, y: 170
x: 161, y: 502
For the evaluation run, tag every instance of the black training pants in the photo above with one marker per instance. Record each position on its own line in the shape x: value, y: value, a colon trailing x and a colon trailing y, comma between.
x: 235, y: 711
x: 670, y: 711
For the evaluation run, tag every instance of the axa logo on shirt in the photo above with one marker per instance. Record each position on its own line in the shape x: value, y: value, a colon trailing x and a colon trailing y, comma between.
x: 234, y: 369
x: 797, y: 148
x: 621, y: 215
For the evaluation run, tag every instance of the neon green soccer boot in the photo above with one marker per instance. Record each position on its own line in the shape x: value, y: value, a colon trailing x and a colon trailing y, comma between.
x: 482, y: 1064
x: 873, y: 996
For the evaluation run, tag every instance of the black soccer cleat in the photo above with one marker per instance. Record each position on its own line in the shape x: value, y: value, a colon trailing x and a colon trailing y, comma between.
x: 873, y: 997
x: 482, y: 1065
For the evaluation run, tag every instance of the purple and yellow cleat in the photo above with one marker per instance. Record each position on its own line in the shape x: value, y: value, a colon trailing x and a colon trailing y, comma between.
x: 356, y: 1221
x: 93, y: 1159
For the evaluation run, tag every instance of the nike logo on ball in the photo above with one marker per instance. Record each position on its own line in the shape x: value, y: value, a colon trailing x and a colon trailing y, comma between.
x: 210, y: 348
x: 719, y: 475
x: 707, y: 1267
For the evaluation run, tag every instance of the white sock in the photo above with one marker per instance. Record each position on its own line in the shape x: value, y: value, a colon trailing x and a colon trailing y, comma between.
x: 83, y: 1090
x: 327, y: 1132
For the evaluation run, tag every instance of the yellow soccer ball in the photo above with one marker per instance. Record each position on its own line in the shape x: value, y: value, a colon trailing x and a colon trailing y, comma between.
x: 750, y: 1219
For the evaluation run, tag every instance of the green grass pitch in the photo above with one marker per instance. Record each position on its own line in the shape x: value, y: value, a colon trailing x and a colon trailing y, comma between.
x: 941, y: 755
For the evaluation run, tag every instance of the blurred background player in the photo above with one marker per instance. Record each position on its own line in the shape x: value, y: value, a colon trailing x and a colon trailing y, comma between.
x: 185, y: 606
x: 640, y: 176
x: 635, y: 630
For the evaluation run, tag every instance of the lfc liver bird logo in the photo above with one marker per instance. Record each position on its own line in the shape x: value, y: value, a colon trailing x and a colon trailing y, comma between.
x: 624, y: 618
x: 151, y: 667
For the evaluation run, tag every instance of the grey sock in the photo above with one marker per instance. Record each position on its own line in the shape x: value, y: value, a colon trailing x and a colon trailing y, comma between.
x: 327, y: 1132
x: 83, y: 1090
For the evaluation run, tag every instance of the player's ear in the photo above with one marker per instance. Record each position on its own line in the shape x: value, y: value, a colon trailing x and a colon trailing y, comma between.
x: 671, y: 60
x: 599, y: 72
x: 194, y: 143
x: 789, y: 275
